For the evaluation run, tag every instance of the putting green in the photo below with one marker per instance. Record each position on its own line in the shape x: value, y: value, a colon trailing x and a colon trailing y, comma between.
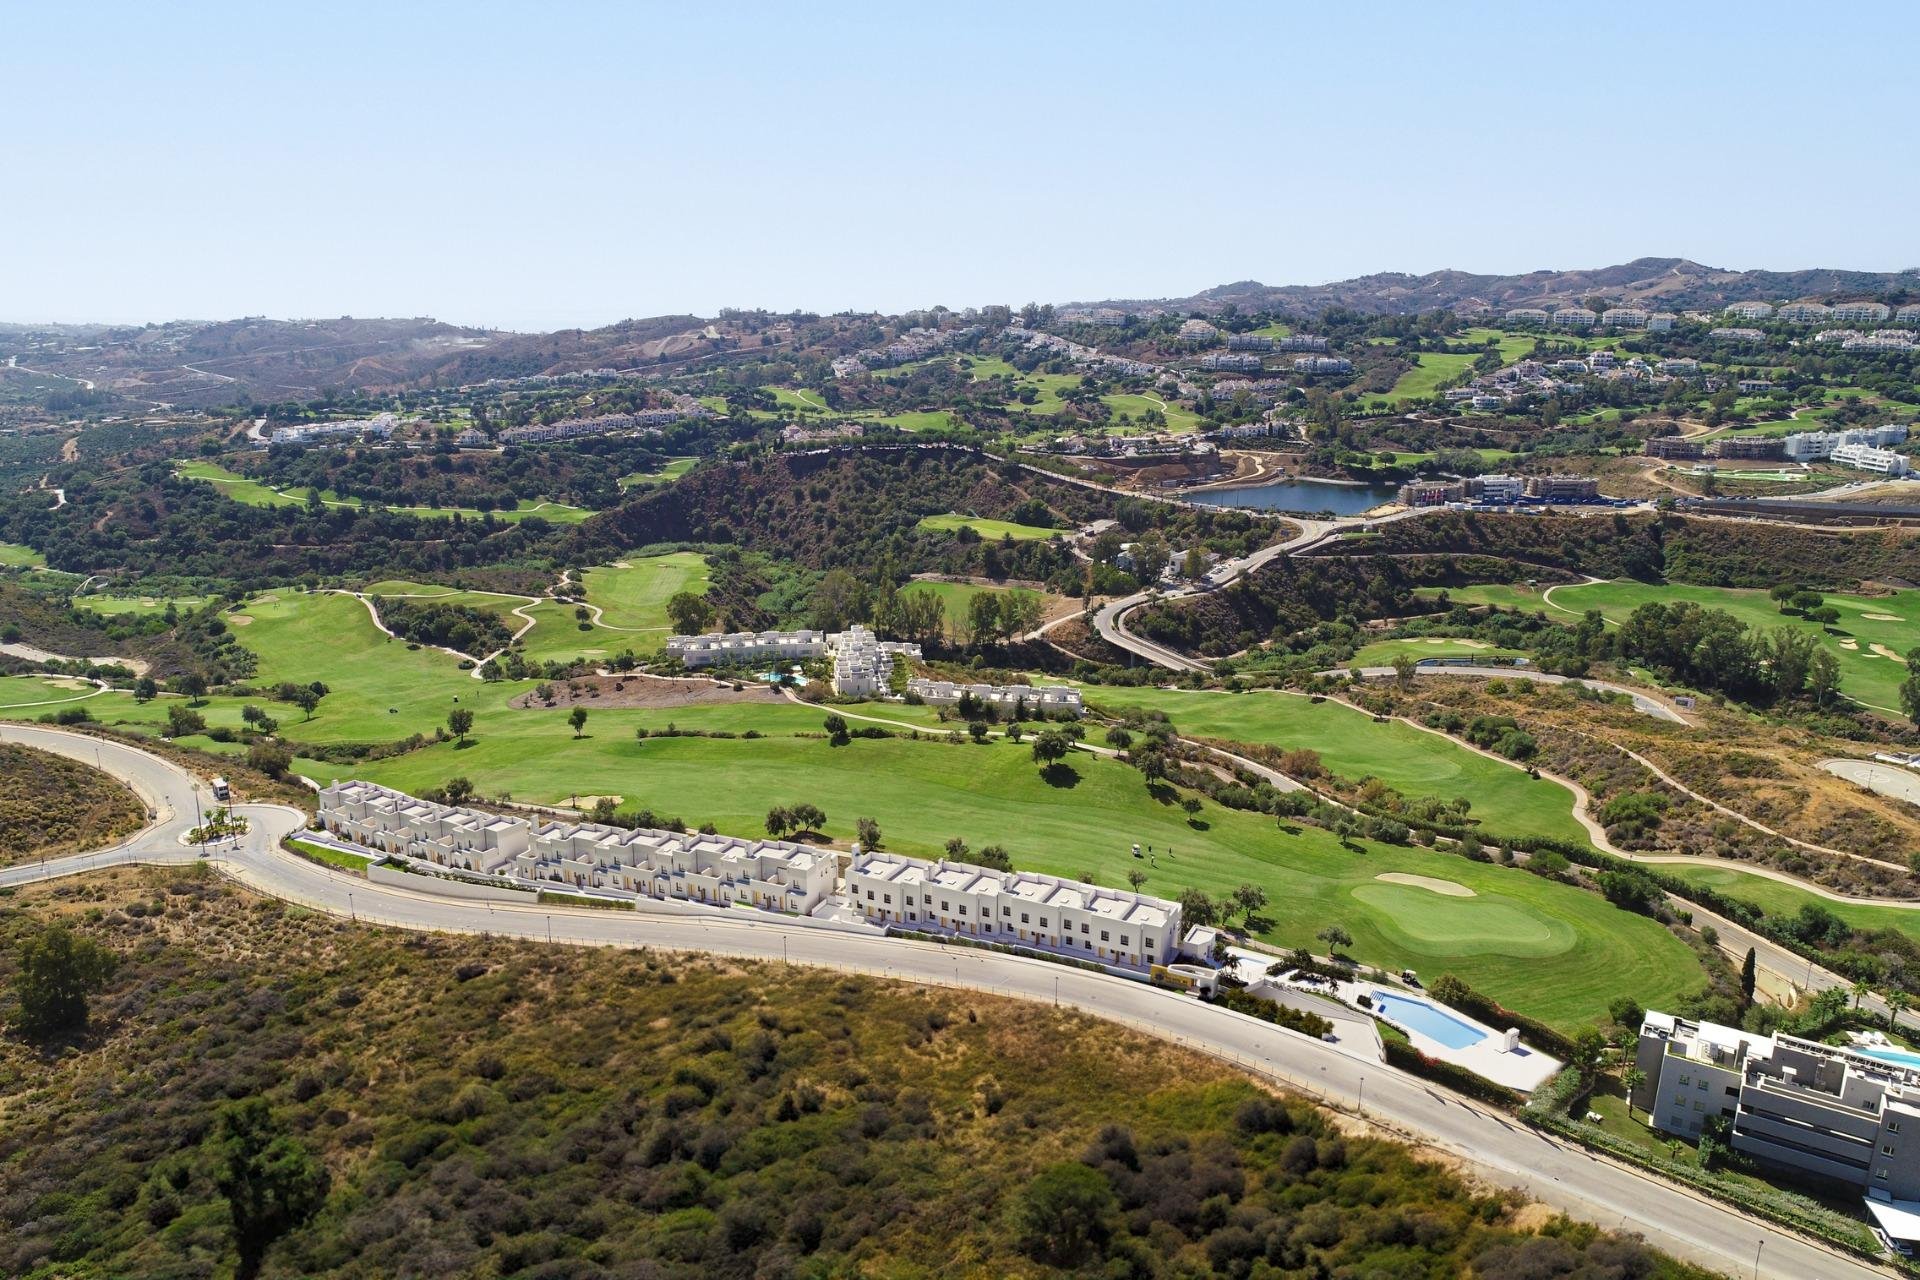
x: 1436, y: 925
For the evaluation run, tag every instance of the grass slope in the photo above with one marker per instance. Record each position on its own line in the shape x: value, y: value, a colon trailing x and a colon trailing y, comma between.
x: 993, y: 529
x: 255, y: 494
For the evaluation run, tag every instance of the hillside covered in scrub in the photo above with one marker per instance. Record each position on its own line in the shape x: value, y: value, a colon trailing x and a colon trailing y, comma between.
x: 50, y: 804
x: 479, y: 1107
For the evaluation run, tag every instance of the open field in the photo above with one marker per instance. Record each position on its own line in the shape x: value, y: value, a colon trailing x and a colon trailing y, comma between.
x: 1425, y: 378
x: 1868, y: 673
x: 1411, y: 761
x: 1136, y: 403
x: 1784, y: 900
x: 1546, y: 948
x: 1381, y: 653
x: 26, y: 693
x: 15, y: 556
x: 141, y: 606
x: 958, y: 598
x: 666, y: 473
x: 632, y: 598
x: 987, y: 528
x: 255, y: 494
x: 1507, y: 596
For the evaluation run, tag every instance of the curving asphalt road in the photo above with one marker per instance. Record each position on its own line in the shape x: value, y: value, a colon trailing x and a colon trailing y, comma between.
x: 1498, y: 1147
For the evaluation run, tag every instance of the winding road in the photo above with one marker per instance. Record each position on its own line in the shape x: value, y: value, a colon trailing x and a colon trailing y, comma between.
x: 1493, y: 1144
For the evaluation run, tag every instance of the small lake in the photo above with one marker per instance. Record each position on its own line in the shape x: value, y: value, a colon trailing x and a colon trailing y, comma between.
x: 1302, y: 494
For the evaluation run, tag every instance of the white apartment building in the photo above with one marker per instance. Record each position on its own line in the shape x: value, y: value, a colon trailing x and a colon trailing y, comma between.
x: 1602, y: 360
x: 1803, y: 313
x: 1322, y: 364
x: 1308, y: 341
x: 1835, y: 1113
x: 1624, y: 318
x: 394, y: 822
x: 1115, y: 926
x: 1660, y: 321
x: 1867, y: 458
x: 380, y: 426
x: 862, y: 661
x: 1232, y: 362
x: 1680, y: 367
x: 1574, y: 318
x: 1750, y: 310
x: 717, y: 870
x: 1249, y: 342
x: 1811, y: 446
x: 1528, y: 316
x: 1878, y: 342
x: 1736, y: 335
x: 1012, y: 699
x: 1198, y: 332
x: 1860, y: 312
x: 1909, y: 314
x: 1833, y: 335
x: 1497, y: 488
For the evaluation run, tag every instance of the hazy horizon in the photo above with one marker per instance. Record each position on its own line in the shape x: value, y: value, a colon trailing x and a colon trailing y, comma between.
x: 601, y: 162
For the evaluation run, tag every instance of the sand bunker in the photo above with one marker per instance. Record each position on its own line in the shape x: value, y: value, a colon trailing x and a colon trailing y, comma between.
x: 1885, y: 652
x: 1447, y: 887
x: 1850, y: 644
x: 1883, y: 617
x: 1465, y: 644
x: 239, y: 620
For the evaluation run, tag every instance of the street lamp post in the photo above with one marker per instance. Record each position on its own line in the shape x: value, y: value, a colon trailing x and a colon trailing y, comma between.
x: 549, y: 928
x: 1362, y: 1104
x: 1761, y: 1244
x: 351, y: 913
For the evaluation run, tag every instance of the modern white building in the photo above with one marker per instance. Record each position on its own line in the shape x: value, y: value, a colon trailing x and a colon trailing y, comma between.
x: 1750, y: 310
x: 1012, y: 699
x: 1322, y: 364
x: 389, y: 821
x: 1680, y: 367
x: 721, y: 871
x: 1497, y: 488
x: 1198, y: 332
x: 1660, y: 321
x: 862, y: 661
x: 1528, y: 316
x: 1835, y: 1113
x: 1113, y: 926
x: 1811, y: 446
x: 1624, y: 318
x: 1867, y: 458
x: 1909, y: 314
x: 379, y: 427
x: 1803, y: 313
x: 1736, y: 335
x: 1860, y: 312
x: 1574, y: 318
x: 1232, y: 362
x: 1249, y: 342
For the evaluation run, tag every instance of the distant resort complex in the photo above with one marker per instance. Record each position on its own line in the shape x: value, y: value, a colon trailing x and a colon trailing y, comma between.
x: 862, y: 662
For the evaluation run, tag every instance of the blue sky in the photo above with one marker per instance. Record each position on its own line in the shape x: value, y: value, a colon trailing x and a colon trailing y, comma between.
x: 572, y: 164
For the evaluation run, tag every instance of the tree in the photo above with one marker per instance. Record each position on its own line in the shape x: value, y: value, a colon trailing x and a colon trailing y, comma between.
x: 271, y: 1183
x: 270, y: 757
x: 957, y: 849
x: 181, y: 722
x: 191, y: 683
x: 1336, y: 938
x: 1404, y: 668
x: 578, y: 719
x: 689, y: 613
x: 145, y: 689
x: 58, y: 969
x: 1588, y: 1045
x: 983, y: 618
x: 1119, y: 739
x: 1749, y: 976
x: 1897, y: 1002
x: 867, y: 831
x: 1049, y: 747
x: 1632, y: 1078
x: 1823, y: 676
x: 458, y: 789
x: 306, y: 698
x: 839, y: 601
x: 836, y: 727
x: 994, y: 858
x: 1150, y: 556
x: 1136, y: 877
x: 779, y: 822
x: 460, y: 721
x: 1250, y: 898
x: 1196, y: 908
x: 1062, y: 1217
x: 1910, y: 687
x: 807, y: 817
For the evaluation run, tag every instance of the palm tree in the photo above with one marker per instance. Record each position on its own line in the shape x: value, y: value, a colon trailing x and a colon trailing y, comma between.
x: 1897, y: 1002
x: 1632, y: 1078
x: 1861, y: 991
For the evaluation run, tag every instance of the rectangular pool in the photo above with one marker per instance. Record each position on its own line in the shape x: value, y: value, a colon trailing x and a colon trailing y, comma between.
x: 1428, y: 1019
x: 1899, y: 1057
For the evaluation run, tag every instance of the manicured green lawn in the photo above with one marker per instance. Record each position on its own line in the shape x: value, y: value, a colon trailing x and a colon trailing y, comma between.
x: 790, y: 398
x: 958, y: 598
x: 1526, y: 599
x: 1545, y: 948
x: 1425, y: 378
x: 913, y: 420
x: 632, y: 596
x: 666, y: 473
x: 25, y: 693
x: 1776, y: 898
x: 1412, y: 761
x: 136, y: 605
x: 255, y: 494
x: 1137, y: 403
x: 1873, y: 677
x: 15, y: 556
x: 1381, y: 653
x: 331, y: 856
x: 987, y: 528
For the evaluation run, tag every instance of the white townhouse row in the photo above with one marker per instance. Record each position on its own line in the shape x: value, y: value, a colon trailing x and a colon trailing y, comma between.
x: 1111, y: 925
x: 862, y: 660
x: 389, y: 821
x: 717, y: 870
x: 605, y: 424
x: 1052, y: 700
x: 1865, y: 457
x: 1322, y: 364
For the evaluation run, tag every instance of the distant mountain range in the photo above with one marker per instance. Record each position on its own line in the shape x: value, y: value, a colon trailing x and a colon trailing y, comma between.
x: 199, y: 363
x: 1671, y: 283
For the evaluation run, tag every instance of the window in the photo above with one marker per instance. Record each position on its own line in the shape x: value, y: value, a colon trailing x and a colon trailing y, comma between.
x: 1043, y: 922
x: 1881, y: 1174
x: 1125, y: 942
x: 1103, y: 935
x: 1702, y: 1086
x: 1006, y: 911
x: 887, y: 898
x: 945, y: 905
x: 1886, y: 1148
x: 869, y: 895
x: 1733, y: 1091
x: 1698, y: 1107
x: 1893, y: 1126
x: 1685, y: 1081
x: 1083, y: 928
x: 1024, y: 919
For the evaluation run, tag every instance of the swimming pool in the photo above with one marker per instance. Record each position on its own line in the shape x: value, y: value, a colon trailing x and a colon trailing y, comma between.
x: 1428, y: 1019
x: 1899, y: 1057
